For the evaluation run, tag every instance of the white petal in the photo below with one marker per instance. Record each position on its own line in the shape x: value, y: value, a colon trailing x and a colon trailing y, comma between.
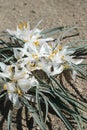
x: 33, y: 82
x: 57, y: 70
x: 14, y: 99
x: 77, y: 61
x: 45, y: 50
x: 11, y: 32
x: 11, y: 87
x: 46, y: 40
x: 2, y: 82
x: 24, y: 84
x: 3, y: 75
x: 17, y: 54
x: 3, y: 66
x: 74, y: 73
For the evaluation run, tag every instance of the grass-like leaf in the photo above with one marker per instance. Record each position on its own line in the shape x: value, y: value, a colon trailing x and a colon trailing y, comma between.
x: 52, y: 31
x: 60, y: 114
x: 9, y: 119
x: 46, y: 104
x: 80, y: 71
x: 72, y: 101
x: 34, y: 112
x: 2, y: 94
x: 36, y: 118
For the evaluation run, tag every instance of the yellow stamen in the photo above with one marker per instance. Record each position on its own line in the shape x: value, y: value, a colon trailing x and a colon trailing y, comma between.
x: 35, y: 56
x: 53, y: 54
x: 19, y: 91
x: 20, y: 25
x: 32, y: 64
x: 25, y: 41
x: 36, y: 43
x: 60, y: 47
x: 66, y: 66
x: 62, y: 57
x: 10, y: 69
x: 25, y: 24
x: 4, y: 87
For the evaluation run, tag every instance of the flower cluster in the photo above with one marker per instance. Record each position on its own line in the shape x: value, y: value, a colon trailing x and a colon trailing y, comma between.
x: 30, y: 63
x: 37, y: 53
x: 46, y: 54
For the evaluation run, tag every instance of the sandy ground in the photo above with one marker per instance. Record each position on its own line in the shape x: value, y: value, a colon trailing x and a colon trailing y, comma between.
x: 54, y: 13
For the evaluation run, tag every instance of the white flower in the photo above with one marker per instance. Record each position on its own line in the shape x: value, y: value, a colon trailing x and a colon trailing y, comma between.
x: 63, y: 60
x: 32, y: 55
x: 19, y: 83
x: 13, y: 93
x: 7, y: 71
x: 57, y: 70
x: 19, y: 89
x: 26, y: 84
x: 58, y: 58
x: 13, y: 72
x: 24, y: 33
x: 1, y: 84
x: 42, y: 53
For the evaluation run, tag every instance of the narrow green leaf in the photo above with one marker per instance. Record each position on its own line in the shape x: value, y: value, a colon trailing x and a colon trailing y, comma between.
x: 60, y: 114
x: 66, y: 31
x: 2, y: 94
x: 46, y: 104
x: 9, y: 119
x: 80, y: 70
x: 72, y: 101
x: 36, y: 118
x: 39, y: 105
x: 70, y: 44
x: 78, y: 121
x: 52, y: 31
x: 33, y: 111
x: 60, y: 87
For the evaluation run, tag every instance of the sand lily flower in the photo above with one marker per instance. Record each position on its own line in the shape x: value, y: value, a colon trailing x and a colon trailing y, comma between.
x: 56, y: 58
x: 6, y: 70
x: 62, y: 59
x: 24, y: 33
x: 19, y: 89
x: 30, y: 62
x: 13, y: 93
x: 17, y: 81
x: 32, y: 55
x: 51, y: 57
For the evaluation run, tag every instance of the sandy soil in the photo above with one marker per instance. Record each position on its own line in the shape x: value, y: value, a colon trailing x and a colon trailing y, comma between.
x: 54, y: 13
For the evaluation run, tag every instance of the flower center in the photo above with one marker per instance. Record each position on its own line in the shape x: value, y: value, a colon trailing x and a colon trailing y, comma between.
x: 66, y: 66
x: 35, y: 56
x: 62, y: 57
x: 36, y: 43
x: 53, y: 54
x: 22, y: 25
x: 19, y: 91
x: 60, y: 47
x: 5, y: 87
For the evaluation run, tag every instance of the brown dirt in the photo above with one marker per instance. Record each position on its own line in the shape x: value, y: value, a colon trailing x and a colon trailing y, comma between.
x: 54, y: 13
